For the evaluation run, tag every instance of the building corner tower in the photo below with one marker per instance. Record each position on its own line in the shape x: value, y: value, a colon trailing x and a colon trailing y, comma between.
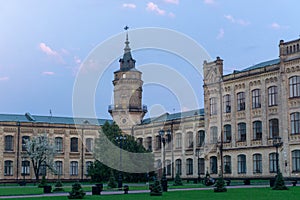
x: 127, y: 109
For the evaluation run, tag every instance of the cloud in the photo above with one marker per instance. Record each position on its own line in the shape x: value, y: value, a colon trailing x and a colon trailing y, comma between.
x: 221, y: 34
x: 52, y: 53
x: 172, y: 15
x: 129, y: 5
x: 48, y: 73
x: 236, y: 21
x: 172, y: 1
x: 154, y: 8
x: 4, y: 78
x: 209, y: 2
x: 77, y: 60
x: 277, y: 26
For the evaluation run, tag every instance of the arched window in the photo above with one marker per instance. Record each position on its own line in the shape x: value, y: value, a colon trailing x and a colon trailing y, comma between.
x: 298, y: 47
x: 294, y: 86
x: 8, y: 168
x: 227, y: 164
x: 227, y: 103
x: 74, y: 168
x: 242, y: 164
x: 273, y: 128
x: 296, y: 161
x: 74, y: 144
x: 149, y: 143
x: 295, y: 123
x: 257, y: 163
x: 178, y: 166
x: 9, y: 143
x: 241, y: 101
x: 213, y: 165
x: 256, y: 98
x: 190, y: 140
x: 157, y: 142
x: 59, y: 144
x: 242, y: 132
x: 168, y: 167
x: 201, y: 138
x: 178, y: 140
x: 272, y: 95
x: 213, y: 135
x: 287, y: 50
x: 272, y: 163
x: 227, y: 133
x: 201, y: 166
x: 189, y: 166
x: 257, y: 130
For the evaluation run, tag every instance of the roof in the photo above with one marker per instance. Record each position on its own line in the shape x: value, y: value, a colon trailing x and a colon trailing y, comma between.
x: 174, y: 116
x: 27, y: 117
x: 260, y: 65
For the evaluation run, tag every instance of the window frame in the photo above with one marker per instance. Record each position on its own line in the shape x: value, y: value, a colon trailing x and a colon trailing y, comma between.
x: 294, y: 86
x: 74, y: 168
x: 272, y: 95
x: 242, y: 132
x: 242, y: 164
x: 74, y: 145
x: 295, y: 123
x: 189, y: 166
x: 273, y: 128
x: 257, y: 130
x: 257, y: 163
x: 227, y: 103
x: 256, y: 99
x: 241, y: 101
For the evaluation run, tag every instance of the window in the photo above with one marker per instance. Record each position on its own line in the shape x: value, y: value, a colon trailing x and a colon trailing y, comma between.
x: 149, y: 143
x: 257, y: 130
x: 227, y: 133
x: 189, y: 166
x: 256, y: 98
x: 272, y: 94
x: 74, y: 144
x: 201, y: 138
x: 295, y: 123
x: 241, y: 101
x: 227, y: 103
x: 201, y: 166
x: 43, y: 169
x: 272, y: 163
x: 213, y: 135
x: 213, y: 105
x: 213, y: 165
x: 241, y: 164
x: 89, y: 144
x: 178, y: 140
x: 24, y: 139
x: 257, y: 163
x: 294, y: 86
x: 88, y: 164
x: 242, y: 132
x: 178, y: 166
x: 157, y: 142
x: 140, y: 141
x: 273, y: 128
x: 296, y: 161
x: 168, y: 167
x: 59, y: 144
x: 74, y: 168
x: 8, y: 168
x: 59, y: 167
x: 227, y: 164
x: 25, y: 167
x: 190, y: 140
x: 9, y: 143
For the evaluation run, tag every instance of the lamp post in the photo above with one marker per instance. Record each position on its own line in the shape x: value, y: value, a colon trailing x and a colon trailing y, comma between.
x: 120, y: 139
x: 198, y: 156
x: 277, y: 143
x: 164, y: 181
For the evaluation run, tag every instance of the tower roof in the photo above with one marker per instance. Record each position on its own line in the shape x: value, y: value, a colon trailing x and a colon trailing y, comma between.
x: 127, y: 62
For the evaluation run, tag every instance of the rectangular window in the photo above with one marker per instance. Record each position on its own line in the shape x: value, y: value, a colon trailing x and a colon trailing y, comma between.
x: 201, y: 166
x: 178, y: 140
x: 294, y: 86
x: 8, y: 168
x: 214, y: 135
x: 257, y: 130
x: 168, y: 168
x: 158, y: 142
x: 296, y: 161
x: 88, y: 164
x: 272, y: 162
x: 227, y: 164
x: 74, y: 168
x: 213, y: 165
x: 227, y: 103
x: 227, y: 133
x: 274, y: 128
x: 59, y: 144
x: 256, y: 98
x: 241, y: 164
x: 9, y: 143
x: 213, y: 106
x: 59, y: 167
x: 89, y: 144
x: 178, y: 166
x: 241, y: 101
x: 272, y: 94
x: 201, y: 138
x: 257, y: 163
x: 242, y: 132
x: 25, y: 167
x: 190, y: 140
x: 24, y: 139
x: 189, y: 167
x: 295, y: 123
x: 149, y: 143
x: 74, y: 144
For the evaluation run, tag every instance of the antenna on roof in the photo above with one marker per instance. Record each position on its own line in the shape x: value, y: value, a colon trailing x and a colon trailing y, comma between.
x: 50, y: 111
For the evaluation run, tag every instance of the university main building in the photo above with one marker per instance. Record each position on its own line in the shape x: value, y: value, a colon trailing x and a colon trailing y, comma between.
x: 248, y: 116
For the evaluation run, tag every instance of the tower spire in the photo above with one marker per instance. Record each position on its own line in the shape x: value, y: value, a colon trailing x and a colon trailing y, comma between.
x: 127, y: 62
x: 127, y: 48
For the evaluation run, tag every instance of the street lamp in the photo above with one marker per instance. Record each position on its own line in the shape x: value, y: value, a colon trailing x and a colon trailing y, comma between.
x: 120, y: 139
x: 164, y: 181
x: 198, y: 156
x: 277, y: 143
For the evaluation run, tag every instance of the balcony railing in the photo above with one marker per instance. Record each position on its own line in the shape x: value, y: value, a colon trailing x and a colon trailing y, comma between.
x: 144, y: 108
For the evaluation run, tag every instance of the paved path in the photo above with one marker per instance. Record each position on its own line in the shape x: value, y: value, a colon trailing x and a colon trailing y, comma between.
x: 130, y: 192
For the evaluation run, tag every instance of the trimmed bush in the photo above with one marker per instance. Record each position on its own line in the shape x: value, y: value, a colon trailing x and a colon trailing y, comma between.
x: 77, y: 192
x: 177, y: 181
x: 220, y: 185
x: 155, y: 189
x: 279, y: 183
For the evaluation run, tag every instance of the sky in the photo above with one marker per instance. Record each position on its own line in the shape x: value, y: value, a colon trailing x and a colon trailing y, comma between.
x: 43, y: 45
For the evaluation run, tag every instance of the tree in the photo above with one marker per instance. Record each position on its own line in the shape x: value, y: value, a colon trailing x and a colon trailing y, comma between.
x: 279, y: 182
x: 41, y: 151
x: 220, y: 185
x: 177, y: 180
x: 77, y: 192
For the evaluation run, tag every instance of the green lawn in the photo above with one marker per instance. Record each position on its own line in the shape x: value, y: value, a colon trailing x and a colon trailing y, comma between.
x: 232, y: 194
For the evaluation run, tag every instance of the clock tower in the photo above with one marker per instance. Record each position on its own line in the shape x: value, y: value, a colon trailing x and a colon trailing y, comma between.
x: 127, y: 109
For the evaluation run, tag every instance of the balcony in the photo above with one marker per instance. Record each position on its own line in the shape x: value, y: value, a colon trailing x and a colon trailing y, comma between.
x: 143, y: 109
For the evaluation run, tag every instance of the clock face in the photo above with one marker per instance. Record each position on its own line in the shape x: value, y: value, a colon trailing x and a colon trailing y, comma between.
x: 124, y: 120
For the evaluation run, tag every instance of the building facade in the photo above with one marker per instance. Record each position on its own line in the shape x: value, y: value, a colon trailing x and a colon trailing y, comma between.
x: 246, y: 115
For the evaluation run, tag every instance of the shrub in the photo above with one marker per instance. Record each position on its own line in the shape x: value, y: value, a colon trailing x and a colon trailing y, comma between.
x: 177, y: 180
x: 43, y: 182
x: 58, y: 186
x: 220, y: 185
x: 155, y: 189
x: 77, y: 192
x: 279, y: 183
x: 111, y: 181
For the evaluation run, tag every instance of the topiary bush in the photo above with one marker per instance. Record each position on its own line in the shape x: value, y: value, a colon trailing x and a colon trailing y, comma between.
x: 155, y: 189
x: 220, y: 185
x: 43, y: 182
x: 177, y: 180
x: 58, y: 186
x: 279, y: 183
x: 77, y: 192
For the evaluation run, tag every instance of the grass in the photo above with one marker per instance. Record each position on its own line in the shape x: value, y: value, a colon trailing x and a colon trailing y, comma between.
x: 232, y: 194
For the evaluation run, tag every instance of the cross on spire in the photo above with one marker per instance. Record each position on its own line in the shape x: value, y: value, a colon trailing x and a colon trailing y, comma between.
x: 126, y: 28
